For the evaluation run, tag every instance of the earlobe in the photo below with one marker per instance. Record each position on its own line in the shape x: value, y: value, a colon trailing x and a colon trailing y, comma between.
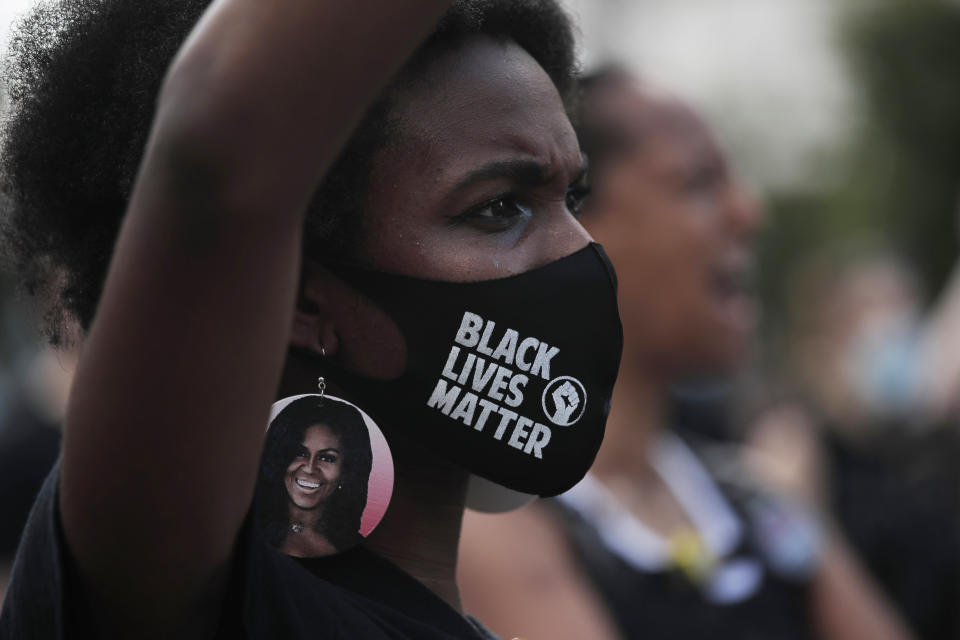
x: 334, y: 318
x: 313, y: 325
x: 336, y: 322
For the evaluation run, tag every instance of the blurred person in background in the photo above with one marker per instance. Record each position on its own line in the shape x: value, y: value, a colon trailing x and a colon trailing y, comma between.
x: 870, y: 431
x: 867, y: 425
x: 861, y: 344
x: 662, y: 539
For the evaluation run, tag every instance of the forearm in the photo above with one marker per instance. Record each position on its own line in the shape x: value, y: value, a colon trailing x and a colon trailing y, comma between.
x: 940, y: 350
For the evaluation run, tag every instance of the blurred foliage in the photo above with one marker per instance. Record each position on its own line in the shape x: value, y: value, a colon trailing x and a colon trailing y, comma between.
x: 901, y: 176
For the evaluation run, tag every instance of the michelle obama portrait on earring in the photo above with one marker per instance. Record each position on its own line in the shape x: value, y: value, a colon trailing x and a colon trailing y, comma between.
x: 312, y: 487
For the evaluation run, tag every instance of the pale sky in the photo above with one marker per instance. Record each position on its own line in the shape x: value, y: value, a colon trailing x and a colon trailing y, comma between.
x: 766, y: 72
x: 9, y: 9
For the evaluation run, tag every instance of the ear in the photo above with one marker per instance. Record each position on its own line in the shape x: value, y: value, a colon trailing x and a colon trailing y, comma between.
x: 335, y: 321
x: 313, y: 326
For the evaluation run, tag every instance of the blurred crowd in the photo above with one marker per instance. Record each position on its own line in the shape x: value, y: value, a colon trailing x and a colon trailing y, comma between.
x: 782, y: 458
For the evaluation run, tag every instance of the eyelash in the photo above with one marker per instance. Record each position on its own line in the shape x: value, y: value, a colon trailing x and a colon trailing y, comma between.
x: 504, y: 200
x: 324, y: 458
x: 576, y: 194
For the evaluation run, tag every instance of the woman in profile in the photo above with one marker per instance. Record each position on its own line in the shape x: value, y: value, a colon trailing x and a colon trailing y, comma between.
x: 312, y: 487
x: 236, y: 199
x: 661, y: 539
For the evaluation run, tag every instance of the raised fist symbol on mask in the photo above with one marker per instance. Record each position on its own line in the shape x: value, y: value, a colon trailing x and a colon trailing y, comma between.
x: 566, y: 399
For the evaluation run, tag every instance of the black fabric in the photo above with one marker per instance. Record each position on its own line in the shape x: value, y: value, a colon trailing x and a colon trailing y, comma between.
x: 354, y: 595
x: 29, y: 445
x: 33, y: 607
x: 668, y: 605
x: 484, y: 359
x: 897, y: 501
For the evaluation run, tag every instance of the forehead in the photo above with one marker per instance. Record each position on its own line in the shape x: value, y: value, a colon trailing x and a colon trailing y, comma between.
x: 480, y: 97
x: 319, y: 436
x: 655, y: 119
x: 479, y: 102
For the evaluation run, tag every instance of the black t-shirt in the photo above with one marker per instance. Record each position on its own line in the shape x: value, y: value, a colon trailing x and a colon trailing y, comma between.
x: 898, y: 501
x: 667, y: 604
x: 352, y: 595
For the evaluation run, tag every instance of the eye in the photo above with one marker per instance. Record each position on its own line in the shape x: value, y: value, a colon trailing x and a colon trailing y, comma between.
x: 303, y: 453
x: 703, y: 178
x: 329, y: 457
x: 497, y: 213
x: 576, y: 195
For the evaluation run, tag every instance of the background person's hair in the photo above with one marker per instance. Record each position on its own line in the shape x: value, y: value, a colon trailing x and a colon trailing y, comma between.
x: 342, y: 510
x: 83, y: 77
x: 604, y: 139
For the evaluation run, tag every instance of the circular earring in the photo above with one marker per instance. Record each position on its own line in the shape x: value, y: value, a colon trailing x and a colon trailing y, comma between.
x: 362, y: 443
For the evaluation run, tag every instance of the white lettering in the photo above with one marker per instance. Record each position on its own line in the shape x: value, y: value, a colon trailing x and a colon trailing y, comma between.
x: 525, y: 345
x: 480, y: 376
x: 484, y: 346
x: 517, y: 383
x: 520, y: 432
x: 469, y: 332
x: 499, y: 383
x: 507, y: 347
x: 443, y: 399
x: 508, y: 417
x: 464, y: 410
x: 448, y: 371
x: 541, y: 363
x: 484, y: 413
x: 538, y: 440
x: 467, y: 366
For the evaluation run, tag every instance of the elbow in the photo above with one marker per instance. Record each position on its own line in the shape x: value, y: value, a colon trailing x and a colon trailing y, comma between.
x: 223, y: 138
x: 190, y: 143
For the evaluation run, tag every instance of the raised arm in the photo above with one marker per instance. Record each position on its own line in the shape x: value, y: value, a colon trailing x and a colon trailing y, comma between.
x: 940, y: 350
x: 166, y: 418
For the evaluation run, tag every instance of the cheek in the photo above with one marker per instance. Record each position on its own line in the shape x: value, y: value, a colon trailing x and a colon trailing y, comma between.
x: 663, y: 257
x: 331, y: 471
x: 664, y: 294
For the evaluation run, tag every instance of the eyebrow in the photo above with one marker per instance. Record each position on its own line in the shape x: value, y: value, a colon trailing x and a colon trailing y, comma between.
x: 521, y: 171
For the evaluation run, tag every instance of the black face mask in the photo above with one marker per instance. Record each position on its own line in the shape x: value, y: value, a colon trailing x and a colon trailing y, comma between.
x: 509, y: 378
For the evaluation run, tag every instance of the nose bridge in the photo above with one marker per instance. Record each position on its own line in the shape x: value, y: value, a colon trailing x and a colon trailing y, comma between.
x: 568, y: 235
